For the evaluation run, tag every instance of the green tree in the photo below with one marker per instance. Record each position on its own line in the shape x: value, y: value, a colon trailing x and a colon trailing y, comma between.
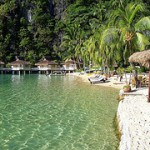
x: 133, y: 28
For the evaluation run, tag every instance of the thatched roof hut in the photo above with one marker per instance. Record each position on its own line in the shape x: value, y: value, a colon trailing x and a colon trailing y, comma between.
x: 45, y: 62
x: 42, y: 63
x: 2, y: 63
x: 53, y: 63
x: 70, y: 61
x: 142, y: 58
x: 19, y: 62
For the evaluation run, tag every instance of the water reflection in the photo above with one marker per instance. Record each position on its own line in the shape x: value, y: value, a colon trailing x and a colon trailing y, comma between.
x: 17, y: 78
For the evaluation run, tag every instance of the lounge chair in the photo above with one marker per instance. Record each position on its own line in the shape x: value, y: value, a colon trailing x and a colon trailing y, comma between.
x: 96, y: 79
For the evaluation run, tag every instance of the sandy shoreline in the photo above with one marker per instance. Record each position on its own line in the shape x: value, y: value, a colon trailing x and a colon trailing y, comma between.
x: 111, y: 82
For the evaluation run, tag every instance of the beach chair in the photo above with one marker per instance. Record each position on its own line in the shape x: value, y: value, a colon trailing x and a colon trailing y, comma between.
x: 96, y: 79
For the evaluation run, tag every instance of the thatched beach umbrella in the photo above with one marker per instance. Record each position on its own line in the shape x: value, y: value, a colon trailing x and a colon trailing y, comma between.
x: 143, y: 58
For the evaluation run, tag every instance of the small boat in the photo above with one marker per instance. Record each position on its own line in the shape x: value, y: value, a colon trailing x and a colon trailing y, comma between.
x: 96, y: 79
x: 57, y: 73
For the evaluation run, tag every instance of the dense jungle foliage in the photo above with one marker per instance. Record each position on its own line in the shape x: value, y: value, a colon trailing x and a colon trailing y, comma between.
x: 103, y: 32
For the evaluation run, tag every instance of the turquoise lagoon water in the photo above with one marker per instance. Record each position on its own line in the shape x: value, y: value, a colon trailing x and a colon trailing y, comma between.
x: 56, y: 113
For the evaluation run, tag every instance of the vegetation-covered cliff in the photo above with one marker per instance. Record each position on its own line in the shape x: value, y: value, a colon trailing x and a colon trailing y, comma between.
x: 101, y: 31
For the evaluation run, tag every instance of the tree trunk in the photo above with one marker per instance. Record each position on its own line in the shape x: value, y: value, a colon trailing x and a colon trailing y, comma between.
x: 136, y: 78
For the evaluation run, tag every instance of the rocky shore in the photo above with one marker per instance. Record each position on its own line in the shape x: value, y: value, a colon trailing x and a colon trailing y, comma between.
x: 134, y: 122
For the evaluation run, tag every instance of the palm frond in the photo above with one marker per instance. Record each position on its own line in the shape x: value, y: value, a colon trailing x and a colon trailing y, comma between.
x: 109, y: 36
x: 133, y: 9
x: 142, y: 41
x: 143, y: 24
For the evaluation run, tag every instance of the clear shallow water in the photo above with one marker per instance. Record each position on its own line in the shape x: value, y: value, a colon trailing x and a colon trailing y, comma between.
x: 55, y: 113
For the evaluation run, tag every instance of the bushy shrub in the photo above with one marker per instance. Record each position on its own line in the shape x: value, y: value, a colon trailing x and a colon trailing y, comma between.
x: 126, y: 88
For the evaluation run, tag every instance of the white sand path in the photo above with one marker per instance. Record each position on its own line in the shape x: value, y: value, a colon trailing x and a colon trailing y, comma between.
x: 111, y: 82
x: 134, y: 122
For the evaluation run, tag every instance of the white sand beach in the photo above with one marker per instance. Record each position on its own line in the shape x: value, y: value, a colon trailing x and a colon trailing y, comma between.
x: 111, y: 82
x: 134, y: 122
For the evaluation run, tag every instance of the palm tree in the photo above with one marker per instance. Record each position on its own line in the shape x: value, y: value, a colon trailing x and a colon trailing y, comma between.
x: 127, y: 32
x: 72, y: 39
x: 133, y: 28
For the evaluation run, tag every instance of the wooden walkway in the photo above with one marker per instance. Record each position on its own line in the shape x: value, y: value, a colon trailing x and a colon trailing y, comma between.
x: 33, y: 71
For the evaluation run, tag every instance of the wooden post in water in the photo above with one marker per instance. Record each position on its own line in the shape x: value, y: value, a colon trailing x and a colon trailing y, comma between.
x: 149, y: 84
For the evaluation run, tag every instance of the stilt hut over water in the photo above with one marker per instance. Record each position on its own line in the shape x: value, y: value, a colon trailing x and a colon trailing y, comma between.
x: 20, y: 66
x: 143, y: 58
x: 55, y: 66
x: 47, y: 66
x: 70, y: 65
x: 43, y: 64
x: 1, y: 66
